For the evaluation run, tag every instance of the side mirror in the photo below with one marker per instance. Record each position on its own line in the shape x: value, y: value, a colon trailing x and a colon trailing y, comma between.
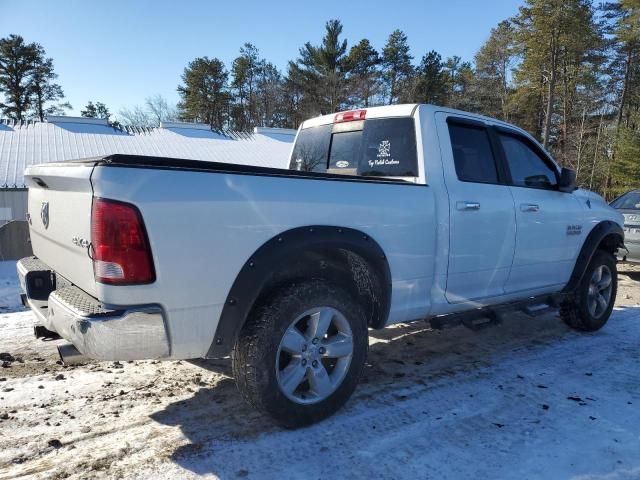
x: 567, y: 180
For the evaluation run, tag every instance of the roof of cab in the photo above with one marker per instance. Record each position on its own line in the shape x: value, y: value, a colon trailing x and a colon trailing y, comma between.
x: 404, y: 110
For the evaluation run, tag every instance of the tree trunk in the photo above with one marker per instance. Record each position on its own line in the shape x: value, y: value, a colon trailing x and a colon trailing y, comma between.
x: 625, y: 87
x: 595, y: 152
x: 580, y: 141
x: 551, y: 90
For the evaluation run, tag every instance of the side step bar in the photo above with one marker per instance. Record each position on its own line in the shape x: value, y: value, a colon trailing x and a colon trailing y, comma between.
x: 487, y: 316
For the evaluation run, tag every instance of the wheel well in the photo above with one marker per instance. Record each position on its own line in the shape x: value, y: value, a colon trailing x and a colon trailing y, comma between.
x: 342, y: 267
x: 343, y: 257
x: 610, y: 243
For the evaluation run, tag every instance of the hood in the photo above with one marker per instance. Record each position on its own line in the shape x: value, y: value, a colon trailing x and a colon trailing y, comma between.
x: 589, y: 195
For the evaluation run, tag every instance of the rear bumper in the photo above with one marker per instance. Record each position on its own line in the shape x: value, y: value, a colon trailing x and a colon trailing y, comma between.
x: 97, y: 331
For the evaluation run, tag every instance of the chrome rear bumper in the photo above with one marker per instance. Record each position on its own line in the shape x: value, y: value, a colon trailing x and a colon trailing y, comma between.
x: 97, y: 331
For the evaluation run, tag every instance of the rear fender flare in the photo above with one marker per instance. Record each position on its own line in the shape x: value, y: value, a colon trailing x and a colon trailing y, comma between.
x: 286, y: 257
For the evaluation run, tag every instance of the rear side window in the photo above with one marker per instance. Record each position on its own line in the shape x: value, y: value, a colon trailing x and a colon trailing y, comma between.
x: 472, y: 154
x: 528, y: 168
x: 311, y: 149
x: 389, y: 148
x: 380, y: 147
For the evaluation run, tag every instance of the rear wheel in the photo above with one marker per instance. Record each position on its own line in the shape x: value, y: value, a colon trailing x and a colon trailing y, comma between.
x: 299, y: 357
x: 592, y: 303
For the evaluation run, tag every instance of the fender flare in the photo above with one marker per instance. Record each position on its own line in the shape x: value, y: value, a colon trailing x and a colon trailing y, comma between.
x: 593, y: 241
x: 279, y: 257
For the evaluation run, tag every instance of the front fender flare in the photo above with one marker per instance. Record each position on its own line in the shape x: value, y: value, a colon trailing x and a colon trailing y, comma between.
x: 595, y: 238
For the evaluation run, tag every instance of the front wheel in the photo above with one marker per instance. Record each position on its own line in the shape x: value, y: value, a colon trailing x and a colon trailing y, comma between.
x: 300, y: 356
x: 592, y: 303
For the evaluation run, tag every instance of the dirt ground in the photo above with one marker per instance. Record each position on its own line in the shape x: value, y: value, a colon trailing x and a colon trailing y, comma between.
x: 526, y: 399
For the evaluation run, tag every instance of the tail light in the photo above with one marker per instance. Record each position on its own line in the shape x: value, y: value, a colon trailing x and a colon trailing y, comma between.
x: 120, y: 247
x: 350, y: 116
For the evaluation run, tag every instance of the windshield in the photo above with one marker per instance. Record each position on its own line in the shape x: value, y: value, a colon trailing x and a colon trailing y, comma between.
x: 380, y: 147
x: 629, y: 201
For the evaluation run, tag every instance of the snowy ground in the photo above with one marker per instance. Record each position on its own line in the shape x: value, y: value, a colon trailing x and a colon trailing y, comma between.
x: 527, y: 399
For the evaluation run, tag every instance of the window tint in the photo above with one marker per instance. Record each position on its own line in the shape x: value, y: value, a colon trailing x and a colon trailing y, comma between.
x: 629, y: 201
x: 472, y: 154
x: 389, y: 148
x: 528, y: 169
x: 345, y: 149
x: 385, y: 147
x: 311, y: 149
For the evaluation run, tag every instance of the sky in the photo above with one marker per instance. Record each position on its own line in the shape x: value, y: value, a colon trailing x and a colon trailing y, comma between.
x: 120, y: 52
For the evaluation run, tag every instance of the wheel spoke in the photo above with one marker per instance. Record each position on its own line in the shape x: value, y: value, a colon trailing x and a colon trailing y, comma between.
x: 338, y: 346
x: 292, y: 376
x: 293, y: 341
x: 319, y: 323
x: 604, y: 282
x: 597, y: 275
x: 320, y: 381
x: 602, y: 302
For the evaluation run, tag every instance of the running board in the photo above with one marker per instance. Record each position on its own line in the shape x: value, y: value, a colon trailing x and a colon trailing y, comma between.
x: 481, y: 318
x: 538, y: 309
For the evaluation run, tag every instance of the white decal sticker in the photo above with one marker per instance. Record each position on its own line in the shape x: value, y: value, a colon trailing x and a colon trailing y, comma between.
x: 384, y: 150
x: 384, y: 155
x: 342, y: 164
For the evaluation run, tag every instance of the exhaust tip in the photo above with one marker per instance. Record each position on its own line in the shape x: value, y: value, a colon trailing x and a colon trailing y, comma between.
x: 39, y: 331
x: 70, y: 355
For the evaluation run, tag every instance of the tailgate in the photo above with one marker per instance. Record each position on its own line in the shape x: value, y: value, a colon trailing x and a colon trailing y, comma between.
x: 60, y: 198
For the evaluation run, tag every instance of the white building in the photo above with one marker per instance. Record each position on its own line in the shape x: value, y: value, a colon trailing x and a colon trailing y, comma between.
x: 69, y: 138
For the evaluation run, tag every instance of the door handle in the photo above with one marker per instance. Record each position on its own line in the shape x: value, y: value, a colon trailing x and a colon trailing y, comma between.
x: 529, y: 207
x: 468, y: 206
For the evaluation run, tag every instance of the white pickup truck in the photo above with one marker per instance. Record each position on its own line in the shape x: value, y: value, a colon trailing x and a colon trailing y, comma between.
x: 386, y: 215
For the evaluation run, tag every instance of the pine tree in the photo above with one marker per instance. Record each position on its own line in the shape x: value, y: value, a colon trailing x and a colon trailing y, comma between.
x: 245, y: 71
x: 493, y: 64
x: 550, y: 34
x: 204, y: 94
x: 96, y: 110
x: 43, y: 89
x: 321, y: 71
x: 363, y: 63
x: 27, y: 80
x: 624, y: 70
x: 396, y: 63
x: 16, y: 69
x: 270, y: 96
x: 431, y: 80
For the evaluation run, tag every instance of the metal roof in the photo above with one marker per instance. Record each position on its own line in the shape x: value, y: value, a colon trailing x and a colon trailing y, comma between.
x: 69, y: 138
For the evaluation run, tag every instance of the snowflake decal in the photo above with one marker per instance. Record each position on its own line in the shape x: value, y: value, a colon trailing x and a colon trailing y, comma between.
x: 384, y: 150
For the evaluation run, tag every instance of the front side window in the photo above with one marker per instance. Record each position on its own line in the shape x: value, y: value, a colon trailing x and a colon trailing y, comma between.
x: 528, y: 168
x: 472, y: 154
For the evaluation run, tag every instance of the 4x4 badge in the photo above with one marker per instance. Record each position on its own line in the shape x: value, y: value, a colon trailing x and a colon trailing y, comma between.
x: 44, y: 214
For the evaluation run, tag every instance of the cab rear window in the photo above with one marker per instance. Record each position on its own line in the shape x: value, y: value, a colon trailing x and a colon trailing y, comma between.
x: 377, y: 147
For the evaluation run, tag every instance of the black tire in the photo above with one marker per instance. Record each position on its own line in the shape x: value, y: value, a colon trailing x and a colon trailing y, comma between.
x: 575, y: 310
x: 256, y: 350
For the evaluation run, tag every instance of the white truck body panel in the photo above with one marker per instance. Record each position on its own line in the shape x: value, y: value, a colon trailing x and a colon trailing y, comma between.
x: 68, y: 198
x: 204, y: 226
